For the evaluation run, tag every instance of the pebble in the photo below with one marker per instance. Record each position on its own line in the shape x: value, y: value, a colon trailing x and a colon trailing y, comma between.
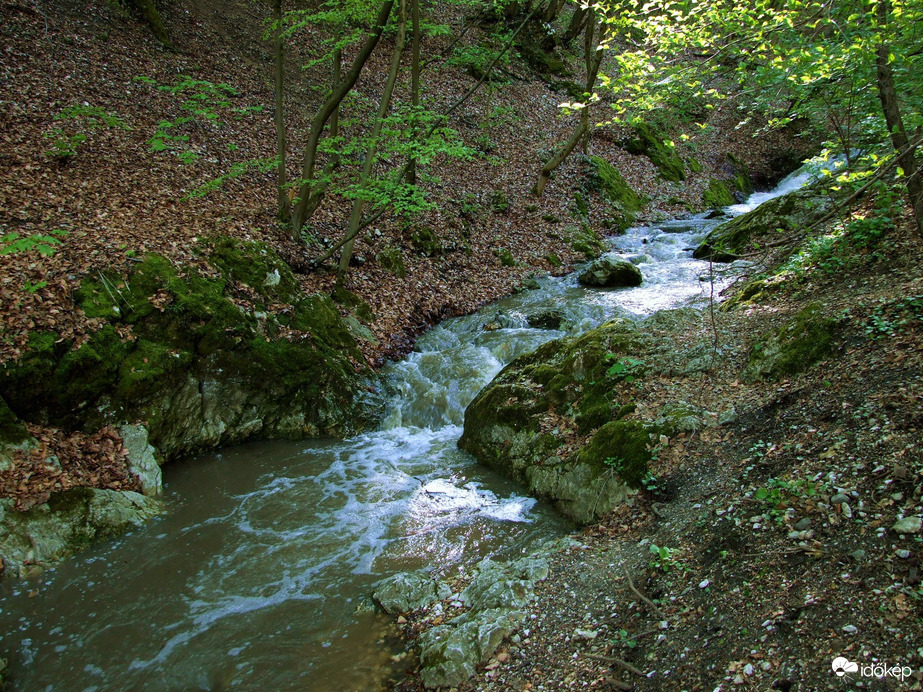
x: 839, y: 499
x: 857, y: 555
x: 704, y: 583
x: 850, y: 629
x: 907, y: 525
x: 803, y: 524
x: 903, y: 553
x: 847, y: 511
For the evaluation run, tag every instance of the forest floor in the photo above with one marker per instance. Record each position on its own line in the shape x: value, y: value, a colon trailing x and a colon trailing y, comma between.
x: 768, y: 545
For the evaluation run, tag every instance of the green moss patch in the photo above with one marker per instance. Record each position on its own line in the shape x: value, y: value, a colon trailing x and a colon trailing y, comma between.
x: 623, y: 446
x: 718, y: 194
x: 391, y: 260
x: 646, y: 141
x: 257, y: 266
x: 807, y: 338
x: 626, y: 202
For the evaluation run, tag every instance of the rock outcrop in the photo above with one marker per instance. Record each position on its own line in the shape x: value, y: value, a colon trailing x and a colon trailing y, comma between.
x: 68, y: 523
x: 511, y: 424
x: 764, y: 224
x: 611, y: 271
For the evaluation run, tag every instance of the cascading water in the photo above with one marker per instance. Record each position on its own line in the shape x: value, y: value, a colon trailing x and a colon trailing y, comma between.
x: 258, y: 575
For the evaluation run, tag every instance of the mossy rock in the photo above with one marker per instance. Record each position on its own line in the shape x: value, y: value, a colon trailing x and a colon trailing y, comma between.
x: 541, y: 58
x: 788, y: 213
x: 425, y: 241
x: 622, y: 445
x: 12, y: 430
x: 806, y: 339
x: 256, y: 265
x: 586, y: 240
x: 353, y: 303
x: 392, y: 261
x: 650, y: 143
x: 201, y: 370
x: 756, y: 292
x: 626, y: 202
x: 506, y: 257
x: 718, y: 194
x: 552, y: 259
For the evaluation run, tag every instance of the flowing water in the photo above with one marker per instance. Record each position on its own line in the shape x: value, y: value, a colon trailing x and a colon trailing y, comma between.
x: 258, y: 576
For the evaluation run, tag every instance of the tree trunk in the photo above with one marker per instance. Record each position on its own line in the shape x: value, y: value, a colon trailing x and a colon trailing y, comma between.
x: 890, y: 106
x: 577, y: 23
x: 355, y: 218
x: 318, y: 190
x: 414, y: 79
x: 149, y: 11
x: 299, y: 213
x: 593, y: 60
x: 283, y: 207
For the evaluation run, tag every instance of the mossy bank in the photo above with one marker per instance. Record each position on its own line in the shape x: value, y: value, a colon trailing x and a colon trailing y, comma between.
x: 200, y: 357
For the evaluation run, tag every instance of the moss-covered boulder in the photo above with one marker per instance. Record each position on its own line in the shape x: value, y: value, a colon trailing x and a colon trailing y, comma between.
x: 513, y: 425
x: 611, y: 271
x: 804, y: 340
x: 425, y: 241
x: 647, y: 141
x: 766, y: 223
x: 69, y: 522
x: 392, y: 261
x: 626, y: 203
x: 586, y: 240
x: 718, y: 194
x: 211, y: 360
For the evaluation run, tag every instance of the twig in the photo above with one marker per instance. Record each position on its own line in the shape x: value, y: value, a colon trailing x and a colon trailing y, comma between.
x: 619, y: 685
x: 643, y: 598
x: 617, y: 661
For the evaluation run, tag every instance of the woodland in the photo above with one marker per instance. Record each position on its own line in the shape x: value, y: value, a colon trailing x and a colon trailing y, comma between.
x: 221, y: 221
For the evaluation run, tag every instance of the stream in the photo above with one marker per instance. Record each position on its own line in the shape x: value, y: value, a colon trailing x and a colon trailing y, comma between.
x: 258, y: 575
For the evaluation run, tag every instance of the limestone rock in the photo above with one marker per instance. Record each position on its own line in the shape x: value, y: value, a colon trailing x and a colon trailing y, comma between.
x: 908, y: 525
x: 142, y: 460
x: 69, y: 522
x: 611, y: 271
x: 408, y: 591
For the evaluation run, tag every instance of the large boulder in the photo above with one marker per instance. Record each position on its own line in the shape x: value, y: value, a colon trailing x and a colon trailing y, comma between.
x: 611, y: 271
x: 206, y: 366
x: 69, y: 522
x: 768, y: 222
x: 512, y: 426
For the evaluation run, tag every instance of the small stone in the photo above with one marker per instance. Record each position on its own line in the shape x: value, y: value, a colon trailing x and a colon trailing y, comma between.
x: 907, y: 525
x: 839, y: 499
x: 748, y: 669
x: 857, y: 555
x: 903, y: 553
x: 587, y: 635
x: 850, y: 629
x: 803, y: 524
x: 847, y: 510
x: 704, y: 584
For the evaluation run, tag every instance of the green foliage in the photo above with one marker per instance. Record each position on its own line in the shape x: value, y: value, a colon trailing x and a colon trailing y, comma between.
x: 779, y: 495
x: 203, y: 101
x: 80, y: 119
x: 626, y: 369
x: 664, y: 559
x: 889, y: 317
x: 46, y: 245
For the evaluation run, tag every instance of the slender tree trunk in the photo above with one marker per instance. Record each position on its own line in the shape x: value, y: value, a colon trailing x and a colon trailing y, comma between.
x: 414, y: 79
x: 299, y: 213
x: 577, y: 23
x: 593, y: 61
x: 907, y: 159
x: 355, y: 218
x: 890, y: 106
x: 149, y: 11
x: 319, y: 189
x: 551, y: 12
x: 283, y: 209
